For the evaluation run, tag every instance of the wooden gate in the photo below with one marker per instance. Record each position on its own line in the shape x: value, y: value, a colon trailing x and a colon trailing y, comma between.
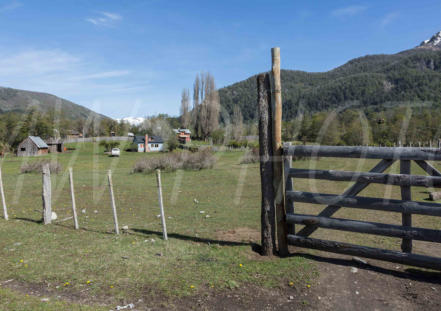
x: 349, y: 198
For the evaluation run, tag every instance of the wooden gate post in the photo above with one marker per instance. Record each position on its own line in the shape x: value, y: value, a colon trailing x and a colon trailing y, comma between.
x: 278, y: 163
x: 406, y: 244
x: 2, y: 193
x: 47, y: 195
x: 72, y: 194
x: 268, y: 221
x: 112, y: 201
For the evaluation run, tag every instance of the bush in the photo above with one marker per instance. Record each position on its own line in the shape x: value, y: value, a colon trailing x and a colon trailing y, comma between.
x: 251, y: 156
x: 109, y: 145
x: 37, y: 167
x: 172, y: 143
x: 178, y: 160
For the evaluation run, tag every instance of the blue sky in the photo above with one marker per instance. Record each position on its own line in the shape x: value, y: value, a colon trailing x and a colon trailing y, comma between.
x: 133, y: 58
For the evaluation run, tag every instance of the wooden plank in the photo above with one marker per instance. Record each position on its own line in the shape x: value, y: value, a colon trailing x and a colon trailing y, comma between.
x: 400, y: 153
x: 2, y: 194
x: 287, y: 160
x: 428, y: 168
x: 399, y: 206
x: 278, y: 164
x: 406, y: 244
x: 112, y: 201
x: 368, y: 252
x: 47, y: 195
x: 161, y: 204
x: 72, y: 195
x: 368, y: 177
x: 267, y: 217
x: 352, y: 191
x: 420, y: 234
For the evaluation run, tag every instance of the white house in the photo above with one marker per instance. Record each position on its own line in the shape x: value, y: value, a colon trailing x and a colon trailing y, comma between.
x: 154, y: 143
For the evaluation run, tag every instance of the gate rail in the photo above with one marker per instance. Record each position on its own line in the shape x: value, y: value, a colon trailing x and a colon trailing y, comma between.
x: 349, y: 199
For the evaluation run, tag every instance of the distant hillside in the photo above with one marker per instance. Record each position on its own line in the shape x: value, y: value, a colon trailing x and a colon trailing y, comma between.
x: 412, y: 75
x: 19, y: 101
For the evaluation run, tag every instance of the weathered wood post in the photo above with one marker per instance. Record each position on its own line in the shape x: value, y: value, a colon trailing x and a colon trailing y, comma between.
x: 112, y: 201
x: 289, y: 204
x: 278, y: 164
x: 2, y: 193
x: 161, y: 205
x: 406, y: 244
x: 47, y: 195
x: 268, y: 221
x: 72, y: 195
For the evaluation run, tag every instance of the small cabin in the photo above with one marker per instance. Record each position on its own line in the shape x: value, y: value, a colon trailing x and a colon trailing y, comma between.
x: 183, y: 135
x: 154, y: 143
x: 32, y: 146
x: 55, y: 145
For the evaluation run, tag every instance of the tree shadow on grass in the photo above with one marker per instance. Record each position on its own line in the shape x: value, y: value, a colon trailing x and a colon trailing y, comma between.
x: 197, y: 239
x: 414, y: 274
x: 37, y: 221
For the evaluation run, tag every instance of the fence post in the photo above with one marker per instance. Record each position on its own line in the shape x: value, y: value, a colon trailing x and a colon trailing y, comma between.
x: 406, y: 244
x: 112, y: 200
x: 72, y: 194
x: 287, y: 160
x: 161, y: 205
x: 2, y: 193
x: 47, y: 195
x: 278, y: 164
x: 267, y: 218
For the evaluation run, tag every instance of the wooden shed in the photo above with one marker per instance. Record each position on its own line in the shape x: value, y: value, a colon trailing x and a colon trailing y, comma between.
x: 32, y: 146
x: 55, y: 145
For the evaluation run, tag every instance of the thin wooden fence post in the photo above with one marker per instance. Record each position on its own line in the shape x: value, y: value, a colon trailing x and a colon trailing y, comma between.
x: 406, y: 244
x: 267, y: 215
x: 2, y: 193
x: 47, y: 195
x: 278, y: 163
x: 112, y: 200
x: 161, y: 205
x: 287, y: 162
x: 72, y: 194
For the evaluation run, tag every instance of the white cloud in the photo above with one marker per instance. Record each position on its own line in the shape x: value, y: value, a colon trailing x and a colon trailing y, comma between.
x: 348, y: 11
x: 105, y: 19
x: 389, y: 18
x: 10, y: 6
x: 69, y: 76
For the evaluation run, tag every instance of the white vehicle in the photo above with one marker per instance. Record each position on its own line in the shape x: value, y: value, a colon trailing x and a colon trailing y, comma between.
x: 115, y: 152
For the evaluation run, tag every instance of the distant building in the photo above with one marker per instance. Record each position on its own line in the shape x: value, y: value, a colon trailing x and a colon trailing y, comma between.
x: 130, y: 135
x: 55, y: 145
x: 154, y: 143
x: 74, y: 134
x: 32, y: 146
x: 183, y: 135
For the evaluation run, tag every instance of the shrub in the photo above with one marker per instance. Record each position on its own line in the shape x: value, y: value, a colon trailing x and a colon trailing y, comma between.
x: 251, y: 156
x: 172, y: 143
x: 109, y: 145
x: 37, y: 167
x: 178, y: 160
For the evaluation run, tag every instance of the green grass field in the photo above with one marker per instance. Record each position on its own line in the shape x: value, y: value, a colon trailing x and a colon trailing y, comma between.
x: 210, y: 243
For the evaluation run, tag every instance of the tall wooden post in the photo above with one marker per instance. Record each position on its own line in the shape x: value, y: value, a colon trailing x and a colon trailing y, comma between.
x: 406, y: 244
x: 112, y: 201
x: 278, y: 163
x: 161, y: 204
x: 47, y: 194
x: 268, y: 221
x: 2, y: 194
x: 72, y: 194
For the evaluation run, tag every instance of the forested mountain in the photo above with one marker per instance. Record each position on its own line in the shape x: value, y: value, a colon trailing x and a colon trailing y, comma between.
x: 411, y: 75
x: 19, y: 101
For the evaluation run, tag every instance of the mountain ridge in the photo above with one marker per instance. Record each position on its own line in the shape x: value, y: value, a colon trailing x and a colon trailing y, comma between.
x: 410, y: 75
x: 23, y: 101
